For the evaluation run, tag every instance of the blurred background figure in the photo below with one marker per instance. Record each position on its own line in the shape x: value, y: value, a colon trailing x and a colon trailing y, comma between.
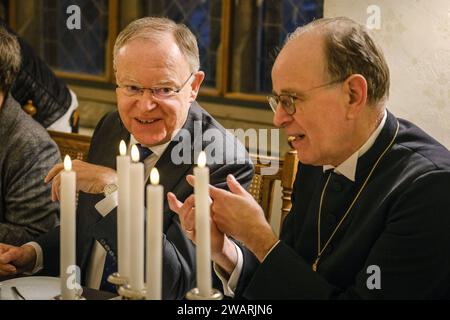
x: 26, y: 154
x: 41, y: 94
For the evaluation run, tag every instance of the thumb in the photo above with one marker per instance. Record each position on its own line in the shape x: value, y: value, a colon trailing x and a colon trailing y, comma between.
x: 234, y: 185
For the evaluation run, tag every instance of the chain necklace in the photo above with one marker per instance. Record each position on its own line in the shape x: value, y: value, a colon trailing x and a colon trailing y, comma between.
x: 321, y: 250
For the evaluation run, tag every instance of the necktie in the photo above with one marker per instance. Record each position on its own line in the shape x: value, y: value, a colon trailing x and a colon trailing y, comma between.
x: 109, y: 268
x: 144, y: 152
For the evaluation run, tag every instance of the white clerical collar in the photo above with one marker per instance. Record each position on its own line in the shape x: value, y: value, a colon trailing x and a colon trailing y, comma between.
x: 157, y: 150
x: 348, y: 167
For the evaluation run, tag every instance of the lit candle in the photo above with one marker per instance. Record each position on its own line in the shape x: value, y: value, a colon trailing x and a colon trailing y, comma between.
x: 154, y: 236
x: 137, y: 221
x: 67, y: 231
x: 202, y: 226
x: 123, y: 210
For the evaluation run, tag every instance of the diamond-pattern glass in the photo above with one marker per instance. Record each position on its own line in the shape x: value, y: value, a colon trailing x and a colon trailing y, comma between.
x: 203, y: 18
x: 80, y: 51
x: 274, y: 20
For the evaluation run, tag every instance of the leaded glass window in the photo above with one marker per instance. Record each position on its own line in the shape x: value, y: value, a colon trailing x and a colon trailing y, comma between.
x: 80, y: 51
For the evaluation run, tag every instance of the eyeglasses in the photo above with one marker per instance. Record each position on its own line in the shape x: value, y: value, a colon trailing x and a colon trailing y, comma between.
x: 287, y: 100
x: 157, y: 92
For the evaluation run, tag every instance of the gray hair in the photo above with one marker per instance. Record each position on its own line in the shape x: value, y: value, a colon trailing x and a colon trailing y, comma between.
x: 9, y: 59
x: 349, y: 49
x: 155, y: 28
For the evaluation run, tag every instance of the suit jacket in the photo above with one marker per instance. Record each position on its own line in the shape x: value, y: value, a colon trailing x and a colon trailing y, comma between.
x: 178, y: 250
x: 27, y: 153
x: 396, y: 236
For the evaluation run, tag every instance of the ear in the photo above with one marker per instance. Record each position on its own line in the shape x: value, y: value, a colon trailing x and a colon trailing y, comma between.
x: 195, y: 85
x: 356, y: 94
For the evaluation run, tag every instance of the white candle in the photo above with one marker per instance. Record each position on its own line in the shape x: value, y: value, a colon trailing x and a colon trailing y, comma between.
x: 123, y: 210
x: 202, y: 226
x: 154, y: 236
x: 67, y: 231
x: 137, y: 221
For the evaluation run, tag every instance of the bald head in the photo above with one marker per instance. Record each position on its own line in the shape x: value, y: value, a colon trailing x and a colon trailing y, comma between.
x: 302, y: 61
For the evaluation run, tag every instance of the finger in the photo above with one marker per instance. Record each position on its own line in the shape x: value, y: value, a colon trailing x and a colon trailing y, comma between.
x: 189, y: 202
x: 174, y: 204
x: 55, y: 187
x: 216, y: 193
x: 235, y: 186
x: 190, y: 179
x: 4, y: 248
x: 9, y: 256
x: 7, y: 270
x: 53, y: 172
x: 189, y: 220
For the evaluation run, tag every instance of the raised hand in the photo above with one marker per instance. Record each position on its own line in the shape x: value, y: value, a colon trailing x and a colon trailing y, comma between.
x: 90, y: 178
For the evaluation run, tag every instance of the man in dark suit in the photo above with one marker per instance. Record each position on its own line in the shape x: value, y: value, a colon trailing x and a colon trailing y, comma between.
x: 370, y: 214
x: 157, y: 70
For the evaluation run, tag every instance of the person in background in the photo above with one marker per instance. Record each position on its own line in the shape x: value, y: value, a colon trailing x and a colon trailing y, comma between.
x: 43, y: 95
x: 26, y: 154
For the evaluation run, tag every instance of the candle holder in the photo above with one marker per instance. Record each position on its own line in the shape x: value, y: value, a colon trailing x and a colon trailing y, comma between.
x: 127, y: 293
x: 78, y: 296
x: 194, y: 294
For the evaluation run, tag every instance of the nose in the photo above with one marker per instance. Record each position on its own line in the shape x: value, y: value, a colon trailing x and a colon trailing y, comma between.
x: 281, y: 118
x: 146, y: 101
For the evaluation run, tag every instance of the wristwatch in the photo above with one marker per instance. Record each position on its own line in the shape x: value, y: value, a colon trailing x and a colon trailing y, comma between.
x: 109, y: 189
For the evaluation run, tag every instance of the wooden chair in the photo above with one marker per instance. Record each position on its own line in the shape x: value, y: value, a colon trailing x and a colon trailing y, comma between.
x: 268, y: 170
x: 263, y: 184
x: 73, y: 144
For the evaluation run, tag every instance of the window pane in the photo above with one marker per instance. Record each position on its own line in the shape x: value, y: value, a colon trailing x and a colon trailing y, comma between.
x: 4, y: 10
x: 254, y: 48
x: 76, y: 51
x: 203, y: 18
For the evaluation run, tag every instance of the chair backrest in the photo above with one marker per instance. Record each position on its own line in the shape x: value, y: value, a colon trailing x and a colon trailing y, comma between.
x: 268, y: 170
x: 73, y: 144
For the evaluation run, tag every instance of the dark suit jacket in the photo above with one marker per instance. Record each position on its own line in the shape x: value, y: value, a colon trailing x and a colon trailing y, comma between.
x: 400, y: 223
x: 178, y: 250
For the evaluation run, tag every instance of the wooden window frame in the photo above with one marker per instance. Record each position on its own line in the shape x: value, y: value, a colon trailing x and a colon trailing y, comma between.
x: 108, y: 75
x: 224, y: 63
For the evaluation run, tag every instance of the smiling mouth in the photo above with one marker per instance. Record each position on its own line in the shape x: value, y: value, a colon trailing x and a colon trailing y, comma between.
x: 145, y: 121
x: 291, y: 139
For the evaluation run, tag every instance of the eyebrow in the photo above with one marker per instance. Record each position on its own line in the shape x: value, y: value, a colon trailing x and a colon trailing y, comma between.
x: 289, y: 91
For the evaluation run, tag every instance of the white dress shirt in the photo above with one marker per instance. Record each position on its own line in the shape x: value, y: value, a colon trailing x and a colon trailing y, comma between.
x: 346, y: 168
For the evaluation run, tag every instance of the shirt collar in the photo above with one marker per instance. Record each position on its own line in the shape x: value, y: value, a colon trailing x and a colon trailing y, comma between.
x: 348, y: 167
x: 157, y: 150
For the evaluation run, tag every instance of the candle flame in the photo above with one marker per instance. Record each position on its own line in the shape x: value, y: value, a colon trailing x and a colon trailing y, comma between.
x: 122, y: 148
x: 201, y: 161
x: 67, y: 163
x: 154, y: 176
x: 135, y: 153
